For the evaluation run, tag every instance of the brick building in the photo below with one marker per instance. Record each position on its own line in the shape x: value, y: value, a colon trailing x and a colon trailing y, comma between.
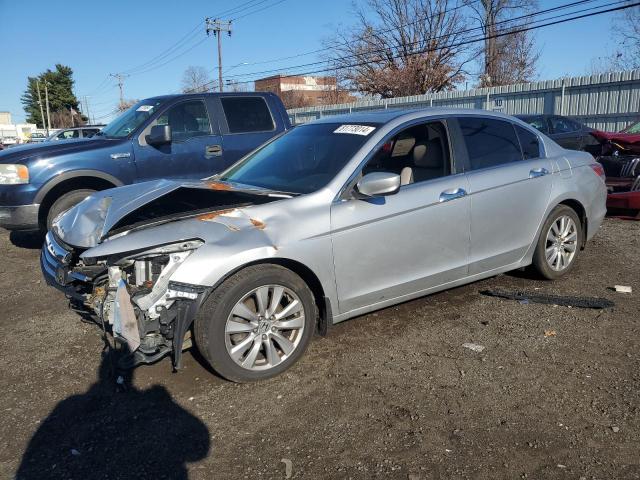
x: 299, y: 90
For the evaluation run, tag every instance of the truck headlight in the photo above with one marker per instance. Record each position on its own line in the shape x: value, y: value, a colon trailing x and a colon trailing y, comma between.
x: 11, y: 174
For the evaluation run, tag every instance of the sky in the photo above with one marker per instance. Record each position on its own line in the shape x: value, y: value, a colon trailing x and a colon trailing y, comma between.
x: 99, y: 38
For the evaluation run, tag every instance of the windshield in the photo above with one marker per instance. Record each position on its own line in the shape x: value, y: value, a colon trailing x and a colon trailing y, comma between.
x: 131, y: 119
x: 303, y: 160
x: 633, y: 128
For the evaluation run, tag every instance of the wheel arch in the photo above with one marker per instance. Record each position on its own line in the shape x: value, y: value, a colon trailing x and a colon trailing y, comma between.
x: 577, y: 207
x: 68, y: 182
x: 323, y: 303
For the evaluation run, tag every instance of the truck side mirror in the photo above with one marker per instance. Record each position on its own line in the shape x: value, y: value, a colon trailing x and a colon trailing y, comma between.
x: 159, y: 135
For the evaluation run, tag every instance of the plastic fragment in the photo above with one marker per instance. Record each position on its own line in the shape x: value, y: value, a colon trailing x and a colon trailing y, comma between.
x: 288, y: 467
x: 622, y: 288
x: 549, y: 333
x: 474, y: 347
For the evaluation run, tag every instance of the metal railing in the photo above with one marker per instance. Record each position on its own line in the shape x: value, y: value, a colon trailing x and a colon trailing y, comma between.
x: 607, y: 101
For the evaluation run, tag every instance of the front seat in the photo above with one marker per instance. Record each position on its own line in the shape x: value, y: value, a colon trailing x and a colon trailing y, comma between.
x: 428, y: 161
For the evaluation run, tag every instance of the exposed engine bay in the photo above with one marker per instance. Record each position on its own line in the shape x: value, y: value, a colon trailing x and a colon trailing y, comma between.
x: 131, y: 293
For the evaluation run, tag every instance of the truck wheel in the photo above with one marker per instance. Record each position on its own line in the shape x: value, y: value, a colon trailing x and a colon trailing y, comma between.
x: 559, y: 243
x: 65, y: 202
x: 256, y: 324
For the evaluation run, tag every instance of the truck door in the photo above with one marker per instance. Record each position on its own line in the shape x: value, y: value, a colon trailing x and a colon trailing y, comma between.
x: 195, y: 150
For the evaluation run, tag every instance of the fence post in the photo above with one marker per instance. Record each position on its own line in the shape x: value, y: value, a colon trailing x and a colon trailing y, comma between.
x: 562, y: 99
x: 486, y: 106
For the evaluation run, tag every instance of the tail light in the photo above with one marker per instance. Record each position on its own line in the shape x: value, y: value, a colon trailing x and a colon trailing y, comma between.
x: 598, y: 169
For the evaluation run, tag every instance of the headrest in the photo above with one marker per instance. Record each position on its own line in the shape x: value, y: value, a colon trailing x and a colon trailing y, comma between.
x: 428, y: 154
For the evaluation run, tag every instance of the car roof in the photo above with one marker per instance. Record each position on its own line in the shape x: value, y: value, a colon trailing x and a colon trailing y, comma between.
x: 391, y: 114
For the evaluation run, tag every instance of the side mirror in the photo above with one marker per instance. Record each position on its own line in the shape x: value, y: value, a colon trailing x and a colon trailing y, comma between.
x: 378, y: 183
x: 159, y: 135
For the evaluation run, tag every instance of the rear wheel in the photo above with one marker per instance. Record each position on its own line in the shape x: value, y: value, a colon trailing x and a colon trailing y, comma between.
x: 256, y: 324
x: 559, y: 243
x: 65, y: 202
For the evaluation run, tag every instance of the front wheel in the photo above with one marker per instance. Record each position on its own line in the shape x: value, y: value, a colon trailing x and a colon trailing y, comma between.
x: 256, y: 324
x: 65, y: 202
x: 559, y: 243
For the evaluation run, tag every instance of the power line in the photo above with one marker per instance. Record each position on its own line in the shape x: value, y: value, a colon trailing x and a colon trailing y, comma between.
x: 458, y: 32
x: 258, y: 10
x: 523, y: 28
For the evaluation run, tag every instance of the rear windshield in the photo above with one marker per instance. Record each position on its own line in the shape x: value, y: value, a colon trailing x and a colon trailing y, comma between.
x: 304, y: 159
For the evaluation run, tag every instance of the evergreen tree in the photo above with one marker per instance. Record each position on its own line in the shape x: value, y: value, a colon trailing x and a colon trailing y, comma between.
x: 61, y: 98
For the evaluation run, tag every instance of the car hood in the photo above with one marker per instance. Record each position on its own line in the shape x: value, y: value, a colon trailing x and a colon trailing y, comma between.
x: 35, y: 151
x: 119, y: 211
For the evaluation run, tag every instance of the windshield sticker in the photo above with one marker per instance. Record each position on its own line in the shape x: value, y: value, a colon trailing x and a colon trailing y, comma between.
x: 144, y: 108
x: 355, y: 129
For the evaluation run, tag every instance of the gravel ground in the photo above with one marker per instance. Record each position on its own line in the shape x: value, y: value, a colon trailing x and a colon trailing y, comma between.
x: 392, y: 394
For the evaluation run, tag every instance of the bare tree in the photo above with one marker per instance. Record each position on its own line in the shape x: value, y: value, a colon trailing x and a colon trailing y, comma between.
x: 295, y: 99
x: 126, y: 105
x: 628, y: 29
x: 196, y: 80
x: 510, y: 58
x: 402, y: 47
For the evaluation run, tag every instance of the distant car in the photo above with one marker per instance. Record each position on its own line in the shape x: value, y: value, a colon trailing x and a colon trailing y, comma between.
x: 566, y: 132
x: 9, y: 140
x: 74, y: 133
x: 37, y: 137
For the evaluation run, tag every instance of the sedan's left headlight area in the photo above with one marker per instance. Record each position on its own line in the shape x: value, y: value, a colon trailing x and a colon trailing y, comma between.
x: 13, y: 174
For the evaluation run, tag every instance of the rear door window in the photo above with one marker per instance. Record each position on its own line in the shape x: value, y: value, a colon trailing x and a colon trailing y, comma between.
x: 539, y: 123
x: 247, y: 114
x: 489, y: 142
x: 564, y: 125
x: 529, y: 142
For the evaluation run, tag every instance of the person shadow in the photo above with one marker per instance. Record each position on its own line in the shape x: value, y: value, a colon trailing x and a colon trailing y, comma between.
x: 115, y: 431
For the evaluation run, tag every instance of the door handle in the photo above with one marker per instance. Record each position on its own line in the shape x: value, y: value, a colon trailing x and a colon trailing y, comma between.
x: 213, y: 150
x: 452, y: 194
x: 538, y: 172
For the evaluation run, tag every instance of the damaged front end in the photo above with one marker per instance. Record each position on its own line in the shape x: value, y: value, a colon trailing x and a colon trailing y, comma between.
x: 132, y: 293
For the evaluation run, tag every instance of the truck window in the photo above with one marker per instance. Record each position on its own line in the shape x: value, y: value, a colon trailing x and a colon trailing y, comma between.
x: 247, y: 114
x: 187, y: 120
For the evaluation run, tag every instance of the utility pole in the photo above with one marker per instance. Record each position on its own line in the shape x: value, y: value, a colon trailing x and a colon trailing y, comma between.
x: 44, y: 125
x: 216, y: 27
x: 86, y: 105
x: 120, y: 79
x: 46, y: 99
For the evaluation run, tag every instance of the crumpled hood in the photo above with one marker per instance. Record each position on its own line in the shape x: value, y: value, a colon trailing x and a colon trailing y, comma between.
x: 35, y: 151
x: 142, y: 205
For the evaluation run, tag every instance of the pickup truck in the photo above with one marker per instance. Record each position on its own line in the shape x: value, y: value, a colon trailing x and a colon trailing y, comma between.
x: 172, y: 136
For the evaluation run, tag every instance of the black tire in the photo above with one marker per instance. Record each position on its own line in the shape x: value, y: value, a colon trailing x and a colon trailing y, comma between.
x: 212, y: 318
x: 540, y: 262
x: 65, y: 202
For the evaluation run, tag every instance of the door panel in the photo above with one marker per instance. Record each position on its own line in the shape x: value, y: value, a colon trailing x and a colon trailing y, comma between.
x: 194, y: 152
x: 507, y: 205
x: 391, y: 246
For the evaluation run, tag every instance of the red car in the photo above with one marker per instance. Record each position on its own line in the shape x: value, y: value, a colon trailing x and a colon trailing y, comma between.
x: 620, y: 157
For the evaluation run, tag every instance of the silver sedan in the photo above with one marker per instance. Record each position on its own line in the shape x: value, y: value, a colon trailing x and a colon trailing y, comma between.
x: 331, y: 220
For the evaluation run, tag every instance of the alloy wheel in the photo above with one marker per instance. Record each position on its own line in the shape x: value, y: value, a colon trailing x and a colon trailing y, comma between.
x: 264, y: 327
x: 562, y: 242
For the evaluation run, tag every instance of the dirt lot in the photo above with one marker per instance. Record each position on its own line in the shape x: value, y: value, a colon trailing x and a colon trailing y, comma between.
x: 392, y: 394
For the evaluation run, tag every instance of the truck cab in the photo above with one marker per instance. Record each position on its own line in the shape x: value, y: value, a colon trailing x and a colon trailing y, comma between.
x: 171, y: 136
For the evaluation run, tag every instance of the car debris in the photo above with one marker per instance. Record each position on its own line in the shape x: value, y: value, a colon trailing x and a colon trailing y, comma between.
x: 474, y: 347
x: 619, y: 155
x: 549, y: 333
x: 561, y: 300
x: 622, y: 288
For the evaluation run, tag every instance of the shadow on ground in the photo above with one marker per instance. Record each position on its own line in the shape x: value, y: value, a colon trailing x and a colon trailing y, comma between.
x: 31, y: 240
x: 114, y: 431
